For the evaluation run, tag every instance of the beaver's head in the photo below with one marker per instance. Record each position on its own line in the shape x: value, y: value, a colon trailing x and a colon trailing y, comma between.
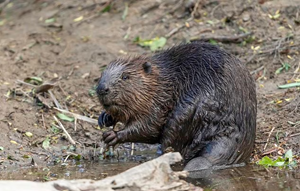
x: 127, y: 87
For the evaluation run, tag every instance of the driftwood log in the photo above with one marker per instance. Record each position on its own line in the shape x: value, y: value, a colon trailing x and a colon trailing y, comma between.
x: 152, y: 175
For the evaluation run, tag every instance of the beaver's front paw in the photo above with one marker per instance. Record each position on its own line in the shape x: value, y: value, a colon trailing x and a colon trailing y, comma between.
x: 110, y: 138
x: 105, y: 120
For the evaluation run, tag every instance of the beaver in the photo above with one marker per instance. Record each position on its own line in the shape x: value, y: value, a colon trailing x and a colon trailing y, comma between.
x: 195, y: 98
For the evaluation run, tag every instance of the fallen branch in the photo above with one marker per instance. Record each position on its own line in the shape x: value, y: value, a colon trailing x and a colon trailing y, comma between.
x: 81, y: 117
x: 69, y: 138
x: 226, y: 39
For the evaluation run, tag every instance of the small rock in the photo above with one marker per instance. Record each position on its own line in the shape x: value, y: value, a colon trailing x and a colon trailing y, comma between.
x: 246, y: 17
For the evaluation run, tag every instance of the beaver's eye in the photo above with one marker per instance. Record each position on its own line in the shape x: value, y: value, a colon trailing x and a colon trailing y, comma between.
x: 125, y: 77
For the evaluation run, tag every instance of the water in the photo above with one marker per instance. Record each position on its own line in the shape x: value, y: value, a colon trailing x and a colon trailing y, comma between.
x: 247, y: 178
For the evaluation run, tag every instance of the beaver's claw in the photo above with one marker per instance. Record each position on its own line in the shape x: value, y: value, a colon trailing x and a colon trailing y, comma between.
x: 105, y: 120
x: 110, y: 138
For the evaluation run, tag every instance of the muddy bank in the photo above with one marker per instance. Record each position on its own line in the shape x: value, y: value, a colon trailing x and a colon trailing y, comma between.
x: 71, y: 41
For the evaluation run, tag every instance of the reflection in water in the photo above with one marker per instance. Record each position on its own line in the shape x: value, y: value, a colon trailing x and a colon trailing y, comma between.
x: 76, y: 170
x: 247, y: 178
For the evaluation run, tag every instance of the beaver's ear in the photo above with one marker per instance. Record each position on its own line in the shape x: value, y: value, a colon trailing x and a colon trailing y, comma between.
x: 147, y: 67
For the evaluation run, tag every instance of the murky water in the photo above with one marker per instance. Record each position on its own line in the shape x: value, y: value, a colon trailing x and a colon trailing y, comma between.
x: 76, y: 170
x: 247, y: 178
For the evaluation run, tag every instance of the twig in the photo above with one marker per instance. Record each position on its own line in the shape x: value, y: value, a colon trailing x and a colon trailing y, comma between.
x: 279, y: 50
x: 98, y: 13
x: 236, y: 38
x: 66, y: 158
x: 269, y: 138
x: 269, y: 151
x: 43, y: 121
x: 175, y: 30
x: 22, y: 82
x: 65, y: 131
x: 257, y: 70
x: 195, y: 8
x: 54, y: 99
x: 81, y: 117
x: 294, y: 135
x: 150, y: 8
x: 75, y: 123
x: 132, y: 148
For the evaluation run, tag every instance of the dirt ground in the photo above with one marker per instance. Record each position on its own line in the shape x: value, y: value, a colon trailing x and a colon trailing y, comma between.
x: 71, y: 41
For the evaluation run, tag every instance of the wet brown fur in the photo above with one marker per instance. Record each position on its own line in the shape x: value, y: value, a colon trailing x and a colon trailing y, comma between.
x: 195, y: 98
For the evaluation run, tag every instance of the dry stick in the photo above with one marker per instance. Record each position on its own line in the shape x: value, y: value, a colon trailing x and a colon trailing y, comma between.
x: 132, y: 148
x: 65, y: 131
x: 66, y: 158
x: 257, y: 70
x: 22, y: 82
x: 54, y: 99
x: 75, y: 123
x: 175, y: 30
x: 44, y: 125
x: 195, y: 8
x: 269, y: 138
x: 236, y: 38
x: 81, y: 117
x: 98, y: 14
x: 294, y: 135
x: 271, y: 51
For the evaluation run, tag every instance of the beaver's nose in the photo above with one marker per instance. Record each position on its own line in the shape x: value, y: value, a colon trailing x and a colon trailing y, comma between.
x: 102, y: 89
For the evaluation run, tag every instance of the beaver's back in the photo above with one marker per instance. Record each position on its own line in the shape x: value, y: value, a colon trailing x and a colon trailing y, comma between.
x: 208, y: 80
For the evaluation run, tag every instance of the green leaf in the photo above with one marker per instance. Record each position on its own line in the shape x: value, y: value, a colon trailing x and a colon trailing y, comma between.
x: 92, y: 91
x: 2, y: 22
x: 213, y: 42
x: 46, y: 178
x: 291, y: 85
x: 28, y: 134
x: 276, y: 16
x: 286, y: 66
x: 106, y: 9
x: 289, y: 155
x: 77, y: 157
x: 266, y: 161
x: 157, y: 44
x: 1, y: 148
x: 46, y: 143
x: 279, y: 164
x: 55, y: 129
x: 154, y: 44
x: 26, y: 156
x: 243, y: 29
x: 64, y: 117
x: 51, y: 20
x: 34, y: 80
x: 125, y: 12
x: 210, y: 22
x: 287, y: 161
x: 279, y: 70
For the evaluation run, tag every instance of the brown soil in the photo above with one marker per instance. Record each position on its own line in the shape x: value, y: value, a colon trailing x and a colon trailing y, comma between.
x: 76, y: 52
